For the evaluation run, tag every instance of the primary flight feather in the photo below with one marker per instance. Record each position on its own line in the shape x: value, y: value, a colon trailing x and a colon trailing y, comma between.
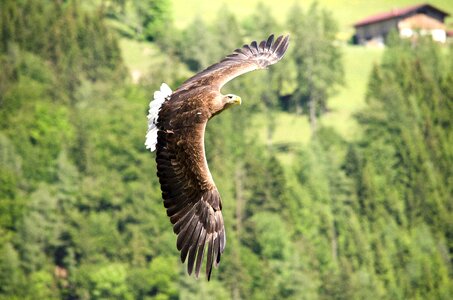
x: 176, y: 127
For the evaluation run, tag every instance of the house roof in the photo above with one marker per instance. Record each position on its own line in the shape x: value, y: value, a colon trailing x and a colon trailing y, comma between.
x: 395, y: 13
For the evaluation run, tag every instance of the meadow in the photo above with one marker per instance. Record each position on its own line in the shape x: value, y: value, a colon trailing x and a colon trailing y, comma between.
x: 346, y: 12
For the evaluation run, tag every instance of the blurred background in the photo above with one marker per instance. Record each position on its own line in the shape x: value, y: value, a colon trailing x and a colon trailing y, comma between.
x: 335, y: 173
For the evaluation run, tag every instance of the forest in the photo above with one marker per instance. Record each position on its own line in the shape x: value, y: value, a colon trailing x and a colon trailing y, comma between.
x: 81, y: 213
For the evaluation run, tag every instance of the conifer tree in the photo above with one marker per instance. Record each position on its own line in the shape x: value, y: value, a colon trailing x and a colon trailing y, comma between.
x: 318, y: 59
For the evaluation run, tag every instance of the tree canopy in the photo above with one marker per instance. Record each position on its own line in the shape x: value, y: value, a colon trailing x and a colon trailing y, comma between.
x: 81, y: 215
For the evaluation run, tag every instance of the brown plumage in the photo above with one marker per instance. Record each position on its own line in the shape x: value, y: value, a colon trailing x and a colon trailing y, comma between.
x: 190, y: 196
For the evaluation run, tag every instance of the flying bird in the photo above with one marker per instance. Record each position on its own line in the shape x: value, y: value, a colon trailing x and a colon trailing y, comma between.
x: 176, y: 126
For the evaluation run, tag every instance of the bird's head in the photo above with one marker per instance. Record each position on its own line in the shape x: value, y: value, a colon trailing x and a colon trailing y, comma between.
x: 231, y: 99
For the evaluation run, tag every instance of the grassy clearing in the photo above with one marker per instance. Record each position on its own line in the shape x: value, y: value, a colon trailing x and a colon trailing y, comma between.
x: 290, y: 130
x: 139, y: 56
x: 293, y: 129
x: 293, y: 132
x: 358, y: 62
x: 290, y: 133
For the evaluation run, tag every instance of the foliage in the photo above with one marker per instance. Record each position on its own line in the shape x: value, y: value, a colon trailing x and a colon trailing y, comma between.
x: 81, y: 215
x: 64, y: 35
x: 154, y: 16
x: 318, y: 59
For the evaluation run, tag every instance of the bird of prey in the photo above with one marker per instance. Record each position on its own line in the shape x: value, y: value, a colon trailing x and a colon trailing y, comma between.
x: 176, y: 127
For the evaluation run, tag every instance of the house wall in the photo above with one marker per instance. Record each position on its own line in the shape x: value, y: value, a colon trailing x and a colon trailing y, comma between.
x: 439, y: 35
x: 422, y: 24
x: 375, y: 31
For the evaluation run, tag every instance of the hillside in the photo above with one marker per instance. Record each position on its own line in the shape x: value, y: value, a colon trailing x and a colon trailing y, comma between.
x: 290, y: 130
x: 334, y: 174
x: 346, y: 12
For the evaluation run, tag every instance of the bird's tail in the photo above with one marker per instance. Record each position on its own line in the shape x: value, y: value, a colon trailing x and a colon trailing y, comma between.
x: 153, y: 115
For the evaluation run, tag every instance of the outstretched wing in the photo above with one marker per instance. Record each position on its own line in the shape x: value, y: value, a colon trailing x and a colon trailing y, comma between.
x: 248, y: 58
x: 190, y: 195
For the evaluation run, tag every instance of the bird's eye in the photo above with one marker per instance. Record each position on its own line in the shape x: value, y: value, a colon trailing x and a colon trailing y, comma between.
x: 230, y: 97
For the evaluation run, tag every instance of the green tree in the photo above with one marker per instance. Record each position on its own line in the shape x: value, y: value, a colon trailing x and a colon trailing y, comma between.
x: 11, y: 276
x: 155, y: 17
x: 109, y: 282
x: 197, y: 36
x: 318, y: 58
x: 261, y: 23
x: 397, y: 169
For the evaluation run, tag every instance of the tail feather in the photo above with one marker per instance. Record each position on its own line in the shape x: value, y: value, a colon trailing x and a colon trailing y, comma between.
x: 153, y: 115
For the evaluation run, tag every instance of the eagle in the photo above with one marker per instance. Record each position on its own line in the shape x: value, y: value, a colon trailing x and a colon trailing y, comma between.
x: 176, y: 127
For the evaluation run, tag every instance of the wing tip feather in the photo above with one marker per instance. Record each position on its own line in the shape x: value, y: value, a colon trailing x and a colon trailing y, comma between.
x: 274, y: 49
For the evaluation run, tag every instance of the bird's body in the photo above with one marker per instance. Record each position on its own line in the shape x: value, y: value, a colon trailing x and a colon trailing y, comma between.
x: 177, y: 123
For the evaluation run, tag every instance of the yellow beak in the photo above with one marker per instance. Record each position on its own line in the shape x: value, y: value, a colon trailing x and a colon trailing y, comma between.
x: 238, y: 100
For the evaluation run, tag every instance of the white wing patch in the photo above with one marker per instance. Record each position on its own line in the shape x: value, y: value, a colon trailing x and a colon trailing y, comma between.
x: 153, y: 114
